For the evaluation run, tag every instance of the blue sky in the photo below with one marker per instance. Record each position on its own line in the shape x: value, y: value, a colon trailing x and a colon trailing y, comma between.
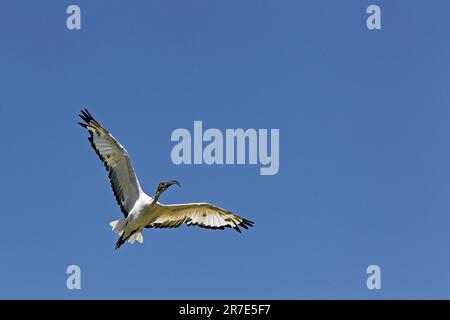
x: 364, y: 147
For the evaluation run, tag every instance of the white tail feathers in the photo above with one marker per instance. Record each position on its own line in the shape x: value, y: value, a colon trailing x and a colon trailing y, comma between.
x: 118, y: 226
x: 137, y: 236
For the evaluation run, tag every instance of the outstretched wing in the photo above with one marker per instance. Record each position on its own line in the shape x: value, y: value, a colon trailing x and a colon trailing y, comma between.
x: 200, y: 214
x: 123, y: 180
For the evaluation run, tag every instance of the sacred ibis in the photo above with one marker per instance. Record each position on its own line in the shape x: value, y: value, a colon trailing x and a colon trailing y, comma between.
x: 141, y: 210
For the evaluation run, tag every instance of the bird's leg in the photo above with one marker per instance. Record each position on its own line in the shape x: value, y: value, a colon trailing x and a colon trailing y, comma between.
x: 121, y: 240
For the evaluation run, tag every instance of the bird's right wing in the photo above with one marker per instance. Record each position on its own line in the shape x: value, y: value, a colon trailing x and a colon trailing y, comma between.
x: 201, y: 214
x: 123, y: 180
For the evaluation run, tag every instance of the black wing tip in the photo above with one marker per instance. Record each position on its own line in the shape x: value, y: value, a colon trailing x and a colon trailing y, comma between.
x: 86, y: 116
x: 246, y: 224
x: 86, y: 113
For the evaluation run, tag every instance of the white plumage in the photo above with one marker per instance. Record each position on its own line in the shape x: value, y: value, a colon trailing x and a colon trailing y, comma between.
x: 140, y: 210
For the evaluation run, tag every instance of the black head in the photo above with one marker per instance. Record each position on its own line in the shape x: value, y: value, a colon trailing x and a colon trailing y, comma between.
x: 164, y: 185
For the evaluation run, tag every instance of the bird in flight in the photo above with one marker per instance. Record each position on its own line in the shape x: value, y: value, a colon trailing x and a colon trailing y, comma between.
x: 144, y: 211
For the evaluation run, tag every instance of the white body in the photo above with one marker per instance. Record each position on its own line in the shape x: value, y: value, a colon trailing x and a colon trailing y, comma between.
x: 144, y: 212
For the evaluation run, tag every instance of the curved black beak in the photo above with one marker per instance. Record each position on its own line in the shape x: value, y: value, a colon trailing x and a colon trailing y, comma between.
x: 172, y: 182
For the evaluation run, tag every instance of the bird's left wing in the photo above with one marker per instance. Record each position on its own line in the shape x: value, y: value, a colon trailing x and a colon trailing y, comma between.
x: 123, y: 180
x: 201, y: 214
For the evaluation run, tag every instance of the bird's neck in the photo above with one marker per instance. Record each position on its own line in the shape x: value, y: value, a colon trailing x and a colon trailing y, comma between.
x: 156, y: 197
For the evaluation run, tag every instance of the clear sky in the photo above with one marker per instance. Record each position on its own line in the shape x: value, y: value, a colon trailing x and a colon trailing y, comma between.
x: 364, y: 119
